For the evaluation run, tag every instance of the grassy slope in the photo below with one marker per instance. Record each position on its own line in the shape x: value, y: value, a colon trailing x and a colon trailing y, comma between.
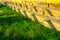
x: 19, y: 27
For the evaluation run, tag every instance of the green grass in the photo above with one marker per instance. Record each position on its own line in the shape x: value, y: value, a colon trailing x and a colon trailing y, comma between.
x: 19, y: 27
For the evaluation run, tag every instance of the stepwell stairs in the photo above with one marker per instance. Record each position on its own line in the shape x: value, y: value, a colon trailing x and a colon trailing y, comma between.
x: 44, y: 12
